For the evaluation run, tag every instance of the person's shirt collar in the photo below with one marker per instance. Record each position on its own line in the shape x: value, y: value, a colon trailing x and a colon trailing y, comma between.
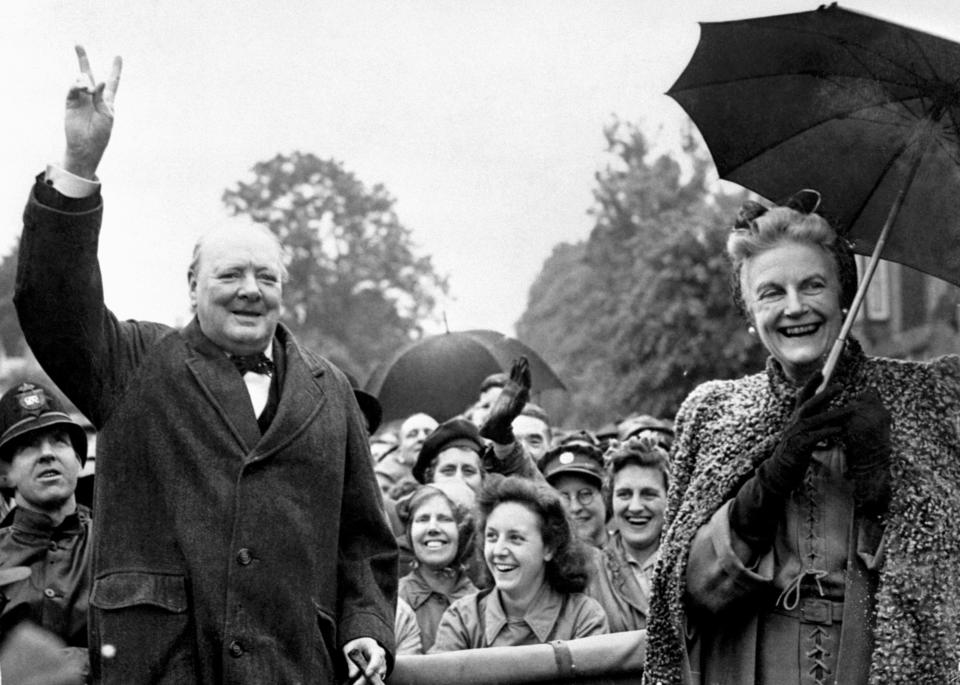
x: 542, y: 614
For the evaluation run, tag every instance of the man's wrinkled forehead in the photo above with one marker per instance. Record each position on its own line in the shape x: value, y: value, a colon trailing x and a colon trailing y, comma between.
x: 238, y: 245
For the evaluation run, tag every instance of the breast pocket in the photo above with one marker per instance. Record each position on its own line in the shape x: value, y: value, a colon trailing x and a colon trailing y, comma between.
x: 145, y: 618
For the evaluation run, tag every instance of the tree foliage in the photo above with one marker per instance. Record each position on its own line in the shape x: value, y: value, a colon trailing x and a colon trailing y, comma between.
x: 11, y: 337
x: 357, y: 290
x: 637, y: 315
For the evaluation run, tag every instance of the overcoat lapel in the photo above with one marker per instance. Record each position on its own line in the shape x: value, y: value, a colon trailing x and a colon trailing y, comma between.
x: 223, y: 386
x: 301, y: 398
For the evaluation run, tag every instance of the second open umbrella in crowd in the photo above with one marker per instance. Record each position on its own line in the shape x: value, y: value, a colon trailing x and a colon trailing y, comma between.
x: 441, y: 374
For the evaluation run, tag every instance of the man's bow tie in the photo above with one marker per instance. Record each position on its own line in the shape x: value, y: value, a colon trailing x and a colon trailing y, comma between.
x: 258, y: 363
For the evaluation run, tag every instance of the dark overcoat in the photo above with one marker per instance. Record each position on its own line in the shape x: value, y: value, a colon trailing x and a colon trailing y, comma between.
x: 221, y: 555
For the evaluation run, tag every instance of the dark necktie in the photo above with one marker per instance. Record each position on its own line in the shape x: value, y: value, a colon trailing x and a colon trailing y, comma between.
x: 258, y: 363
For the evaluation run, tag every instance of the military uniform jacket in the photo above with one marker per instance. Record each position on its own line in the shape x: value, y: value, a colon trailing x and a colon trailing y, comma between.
x: 221, y: 555
x: 55, y: 596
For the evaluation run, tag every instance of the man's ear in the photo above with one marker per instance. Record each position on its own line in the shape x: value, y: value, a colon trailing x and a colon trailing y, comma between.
x: 192, y: 286
x: 4, y: 474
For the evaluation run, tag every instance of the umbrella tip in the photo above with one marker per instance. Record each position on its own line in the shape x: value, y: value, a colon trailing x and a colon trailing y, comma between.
x: 446, y: 326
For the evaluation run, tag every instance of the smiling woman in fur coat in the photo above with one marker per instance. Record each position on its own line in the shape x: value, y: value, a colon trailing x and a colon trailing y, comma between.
x: 811, y: 535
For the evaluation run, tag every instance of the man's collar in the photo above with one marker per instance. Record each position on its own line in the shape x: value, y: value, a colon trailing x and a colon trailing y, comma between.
x: 38, y: 523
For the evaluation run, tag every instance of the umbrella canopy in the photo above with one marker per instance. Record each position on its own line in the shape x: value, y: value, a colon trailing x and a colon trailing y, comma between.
x: 860, y: 109
x: 441, y: 375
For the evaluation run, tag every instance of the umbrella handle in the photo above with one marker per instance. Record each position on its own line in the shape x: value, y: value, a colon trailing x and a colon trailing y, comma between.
x: 838, y: 345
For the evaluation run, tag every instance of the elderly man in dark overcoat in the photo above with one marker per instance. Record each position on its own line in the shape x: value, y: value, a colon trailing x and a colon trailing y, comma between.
x: 239, y: 533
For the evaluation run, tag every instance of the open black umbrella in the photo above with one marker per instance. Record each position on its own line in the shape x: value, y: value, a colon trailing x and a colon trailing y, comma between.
x: 441, y: 374
x: 863, y: 110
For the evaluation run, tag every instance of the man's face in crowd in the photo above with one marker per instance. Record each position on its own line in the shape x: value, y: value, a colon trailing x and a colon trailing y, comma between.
x: 380, y: 446
x: 44, y: 469
x: 458, y: 463
x: 236, y: 289
x: 413, y: 432
x: 533, y: 433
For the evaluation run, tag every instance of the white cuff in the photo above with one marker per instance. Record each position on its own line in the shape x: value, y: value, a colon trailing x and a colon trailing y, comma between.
x: 69, y: 184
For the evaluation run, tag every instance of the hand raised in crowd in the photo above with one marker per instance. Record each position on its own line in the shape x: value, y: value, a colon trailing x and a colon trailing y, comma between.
x: 513, y: 398
x: 89, y: 117
x: 753, y: 514
x: 868, y: 449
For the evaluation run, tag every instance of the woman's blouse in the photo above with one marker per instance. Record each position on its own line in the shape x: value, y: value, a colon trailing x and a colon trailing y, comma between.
x: 479, y: 620
x: 406, y: 630
x: 621, y: 585
x: 428, y: 604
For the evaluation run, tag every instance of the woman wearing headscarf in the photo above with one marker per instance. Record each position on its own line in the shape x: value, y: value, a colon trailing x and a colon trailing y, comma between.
x: 440, y: 533
x: 811, y: 535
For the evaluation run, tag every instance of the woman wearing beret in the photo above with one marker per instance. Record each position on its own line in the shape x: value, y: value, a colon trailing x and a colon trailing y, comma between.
x: 811, y: 534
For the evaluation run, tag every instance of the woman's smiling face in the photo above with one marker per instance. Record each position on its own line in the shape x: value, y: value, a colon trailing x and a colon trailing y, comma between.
x: 639, y: 500
x: 792, y: 293
x: 433, y: 533
x: 514, y: 550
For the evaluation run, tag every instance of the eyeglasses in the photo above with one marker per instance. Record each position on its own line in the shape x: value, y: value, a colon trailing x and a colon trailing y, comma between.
x: 584, y: 496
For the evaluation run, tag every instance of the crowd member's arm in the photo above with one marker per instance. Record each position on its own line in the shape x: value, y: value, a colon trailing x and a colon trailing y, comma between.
x: 407, y: 630
x: 453, y: 632
x: 591, y: 621
x: 507, y: 456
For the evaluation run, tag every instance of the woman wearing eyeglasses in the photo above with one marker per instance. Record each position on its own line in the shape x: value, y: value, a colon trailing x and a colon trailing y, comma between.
x: 811, y: 534
x: 635, y: 490
x: 574, y: 468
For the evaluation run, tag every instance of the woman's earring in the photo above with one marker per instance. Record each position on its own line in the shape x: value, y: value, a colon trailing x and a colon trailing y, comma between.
x: 751, y: 329
x: 844, y: 311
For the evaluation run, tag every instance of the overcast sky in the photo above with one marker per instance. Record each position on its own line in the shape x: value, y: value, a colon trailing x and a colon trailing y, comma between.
x: 484, y: 119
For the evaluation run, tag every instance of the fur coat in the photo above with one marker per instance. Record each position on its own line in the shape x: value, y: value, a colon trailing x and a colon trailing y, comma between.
x: 726, y: 428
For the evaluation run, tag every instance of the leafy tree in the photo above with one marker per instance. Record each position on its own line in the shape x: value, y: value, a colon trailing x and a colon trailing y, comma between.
x: 638, y: 314
x: 11, y: 337
x: 357, y: 289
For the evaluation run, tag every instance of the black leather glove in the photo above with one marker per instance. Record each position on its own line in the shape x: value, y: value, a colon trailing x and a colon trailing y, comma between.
x: 508, y: 406
x: 868, y: 450
x: 756, y: 508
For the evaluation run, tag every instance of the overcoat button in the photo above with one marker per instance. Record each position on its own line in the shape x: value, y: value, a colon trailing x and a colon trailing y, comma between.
x: 236, y: 649
x: 244, y: 557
